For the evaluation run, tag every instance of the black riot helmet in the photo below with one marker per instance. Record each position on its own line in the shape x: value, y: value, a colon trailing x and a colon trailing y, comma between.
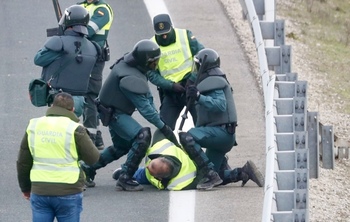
x: 146, y: 52
x: 77, y: 17
x: 212, y: 60
x: 162, y: 24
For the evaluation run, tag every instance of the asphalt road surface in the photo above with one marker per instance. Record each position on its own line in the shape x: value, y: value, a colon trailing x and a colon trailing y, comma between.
x: 24, y: 25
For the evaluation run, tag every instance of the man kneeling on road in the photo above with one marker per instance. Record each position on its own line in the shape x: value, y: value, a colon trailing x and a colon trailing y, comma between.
x: 169, y: 167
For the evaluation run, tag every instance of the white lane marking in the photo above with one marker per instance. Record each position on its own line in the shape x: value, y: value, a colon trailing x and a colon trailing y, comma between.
x: 182, y: 206
x: 181, y: 203
x: 155, y: 7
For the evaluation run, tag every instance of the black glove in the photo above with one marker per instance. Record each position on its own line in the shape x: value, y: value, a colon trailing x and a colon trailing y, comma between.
x: 169, y: 134
x: 192, y: 92
x: 177, y: 87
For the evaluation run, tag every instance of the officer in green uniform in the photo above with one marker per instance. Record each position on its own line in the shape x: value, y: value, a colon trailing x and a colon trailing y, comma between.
x: 178, y: 46
x: 124, y: 91
x: 216, y: 117
x: 70, y: 53
x: 168, y: 167
x: 101, y: 19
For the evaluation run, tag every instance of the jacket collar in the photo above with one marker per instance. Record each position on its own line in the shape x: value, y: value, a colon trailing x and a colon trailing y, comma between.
x: 59, y: 111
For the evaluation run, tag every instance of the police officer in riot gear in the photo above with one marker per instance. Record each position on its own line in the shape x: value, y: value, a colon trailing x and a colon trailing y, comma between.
x: 216, y: 123
x: 101, y: 19
x: 125, y: 90
x: 70, y: 53
x: 178, y: 47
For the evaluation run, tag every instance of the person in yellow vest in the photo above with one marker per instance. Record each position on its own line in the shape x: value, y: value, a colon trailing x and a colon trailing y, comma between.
x: 48, y: 169
x: 171, y: 168
x: 101, y: 19
x: 178, y: 47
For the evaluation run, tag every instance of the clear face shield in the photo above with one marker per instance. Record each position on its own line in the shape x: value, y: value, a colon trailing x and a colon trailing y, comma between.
x: 195, y: 65
x: 63, y: 18
x: 152, y: 63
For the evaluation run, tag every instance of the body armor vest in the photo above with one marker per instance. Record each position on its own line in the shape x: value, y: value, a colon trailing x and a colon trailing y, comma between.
x: 74, y: 67
x: 205, y: 118
x: 111, y: 95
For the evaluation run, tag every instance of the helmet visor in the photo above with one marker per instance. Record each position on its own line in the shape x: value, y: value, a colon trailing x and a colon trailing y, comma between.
x: 195, y: 65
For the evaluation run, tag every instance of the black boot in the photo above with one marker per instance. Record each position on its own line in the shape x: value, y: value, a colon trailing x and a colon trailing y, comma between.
x: 251, y: 172
x: 99, y: 141
x: 127, y: 183
x: 116, y: 173
x: 210, y: 180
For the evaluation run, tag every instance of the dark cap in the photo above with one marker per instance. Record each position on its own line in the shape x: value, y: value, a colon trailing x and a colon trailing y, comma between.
x: 162, y: 24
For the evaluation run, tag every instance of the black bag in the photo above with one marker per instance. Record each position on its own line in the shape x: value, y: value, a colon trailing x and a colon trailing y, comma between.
x: 38, y: 92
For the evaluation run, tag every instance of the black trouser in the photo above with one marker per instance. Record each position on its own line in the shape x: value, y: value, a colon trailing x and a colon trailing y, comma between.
x: 171, y: 107
x: 90, y: 119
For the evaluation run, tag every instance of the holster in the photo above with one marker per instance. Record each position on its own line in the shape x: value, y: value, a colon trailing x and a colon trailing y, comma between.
x: 231, y: 127
x: 106, y: 113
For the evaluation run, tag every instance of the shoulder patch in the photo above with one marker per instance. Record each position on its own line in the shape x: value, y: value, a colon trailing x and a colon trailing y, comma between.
x: 134, y: 84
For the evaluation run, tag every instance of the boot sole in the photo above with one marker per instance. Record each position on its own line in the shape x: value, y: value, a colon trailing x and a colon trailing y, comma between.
x: 126, y: 188
x: 258, y: 177
x: 217, y: 183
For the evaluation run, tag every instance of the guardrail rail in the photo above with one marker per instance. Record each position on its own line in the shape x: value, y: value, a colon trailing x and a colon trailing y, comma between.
x: 292, y: 133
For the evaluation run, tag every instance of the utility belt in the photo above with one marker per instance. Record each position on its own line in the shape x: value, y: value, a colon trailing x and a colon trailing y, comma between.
x: 229, y: 127
x: 106, y: 114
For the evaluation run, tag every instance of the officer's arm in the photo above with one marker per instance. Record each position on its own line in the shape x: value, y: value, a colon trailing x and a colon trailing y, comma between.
x: 53, y: 49
x: 195, y: 45
x: 144, y: 104
x: 214, y: 101
x: 156, y: 79
x: 98, y: 20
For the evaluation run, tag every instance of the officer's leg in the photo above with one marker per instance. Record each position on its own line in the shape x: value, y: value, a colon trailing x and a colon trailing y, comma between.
x: 170, y: 110
x: 135, y: 156
x: 248, y: 172
x: 204, y: 166
x: 107, y: 156
x: 90, y: 117
x: 119, y: 148
x: 78, y: 105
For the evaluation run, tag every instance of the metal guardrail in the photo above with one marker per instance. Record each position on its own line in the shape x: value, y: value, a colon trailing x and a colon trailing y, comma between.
x: 292, y: 133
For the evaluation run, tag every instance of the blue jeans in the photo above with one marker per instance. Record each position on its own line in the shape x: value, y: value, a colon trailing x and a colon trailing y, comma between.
x: 63, y: 208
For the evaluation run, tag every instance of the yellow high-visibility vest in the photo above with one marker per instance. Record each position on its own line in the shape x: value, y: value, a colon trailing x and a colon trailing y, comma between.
x: 91, y: 9
x: 187, y: 172
x: 52, y: 145
x: 176, y: 59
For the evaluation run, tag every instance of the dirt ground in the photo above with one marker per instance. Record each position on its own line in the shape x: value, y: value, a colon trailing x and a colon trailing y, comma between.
x: 329, y: 195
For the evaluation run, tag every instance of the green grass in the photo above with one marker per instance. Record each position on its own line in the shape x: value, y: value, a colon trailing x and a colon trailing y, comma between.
x: 324, y: 26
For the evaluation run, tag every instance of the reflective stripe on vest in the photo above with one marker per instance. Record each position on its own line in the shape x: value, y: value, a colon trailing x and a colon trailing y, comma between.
x: 176, y: 59
x: 92, y: 8
x: 52, y: 145
x: 187, y: 172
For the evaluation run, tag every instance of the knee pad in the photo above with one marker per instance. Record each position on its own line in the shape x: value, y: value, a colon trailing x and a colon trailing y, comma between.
x: 143, y: 139
x: 188, y: 142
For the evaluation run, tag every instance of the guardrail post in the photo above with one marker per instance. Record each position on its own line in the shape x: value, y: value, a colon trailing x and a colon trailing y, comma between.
x: 313, y: 144
x: 327, y: 147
